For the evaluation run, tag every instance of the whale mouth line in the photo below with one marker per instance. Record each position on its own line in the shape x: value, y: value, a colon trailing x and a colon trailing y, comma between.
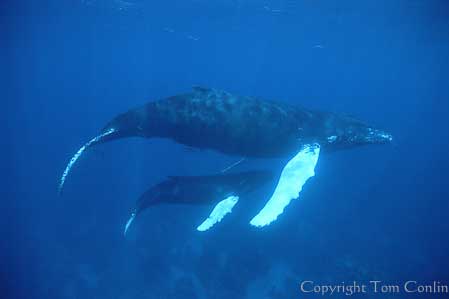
x: 78, y: 155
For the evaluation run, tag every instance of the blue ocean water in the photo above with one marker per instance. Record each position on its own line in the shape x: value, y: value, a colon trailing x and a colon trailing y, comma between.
x: 371, y: 213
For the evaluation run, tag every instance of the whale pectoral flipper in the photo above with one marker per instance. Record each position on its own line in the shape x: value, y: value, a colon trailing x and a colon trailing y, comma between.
x: 293, y: 177
x: 223, y: 208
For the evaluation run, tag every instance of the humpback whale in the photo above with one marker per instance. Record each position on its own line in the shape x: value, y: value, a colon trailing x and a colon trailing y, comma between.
x: 247, y: 127
x: 222, y: 189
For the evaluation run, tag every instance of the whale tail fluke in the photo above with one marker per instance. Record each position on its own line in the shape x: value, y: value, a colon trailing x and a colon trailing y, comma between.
x: 128, y: 223
x: 78, y: 154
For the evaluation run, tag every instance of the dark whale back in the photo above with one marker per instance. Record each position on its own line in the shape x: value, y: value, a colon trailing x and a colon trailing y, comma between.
x: 244, y: 126
x: 235, y: 125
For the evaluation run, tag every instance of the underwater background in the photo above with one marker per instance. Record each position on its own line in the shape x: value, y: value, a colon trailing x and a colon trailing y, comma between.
x: 371, y: 213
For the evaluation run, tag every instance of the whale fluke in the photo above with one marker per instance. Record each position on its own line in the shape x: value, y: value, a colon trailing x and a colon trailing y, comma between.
x: 78, y: 155
x: 128, y: 223
x: 293, y: 177
x: 223, y: 208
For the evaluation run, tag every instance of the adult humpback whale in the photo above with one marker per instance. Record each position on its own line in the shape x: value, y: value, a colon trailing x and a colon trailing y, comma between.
x: 243, y: 126
x: 222, y: 189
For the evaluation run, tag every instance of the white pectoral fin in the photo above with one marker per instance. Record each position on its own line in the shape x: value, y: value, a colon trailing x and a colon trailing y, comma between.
x: 293, y: 177
x: 223, y: 208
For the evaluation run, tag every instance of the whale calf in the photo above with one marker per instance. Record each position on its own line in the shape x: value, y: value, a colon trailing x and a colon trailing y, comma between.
x: 247, y: 127
x: 224, y: 190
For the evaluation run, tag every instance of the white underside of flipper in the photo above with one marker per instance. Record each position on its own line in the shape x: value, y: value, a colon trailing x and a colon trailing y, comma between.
x: 293, y: 177
x: 223, y: 208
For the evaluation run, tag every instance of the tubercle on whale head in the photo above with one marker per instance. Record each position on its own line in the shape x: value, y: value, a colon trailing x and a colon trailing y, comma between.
x: 351, y: 132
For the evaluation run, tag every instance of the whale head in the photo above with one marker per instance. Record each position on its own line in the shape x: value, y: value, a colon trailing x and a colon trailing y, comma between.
x: 347, y: 131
